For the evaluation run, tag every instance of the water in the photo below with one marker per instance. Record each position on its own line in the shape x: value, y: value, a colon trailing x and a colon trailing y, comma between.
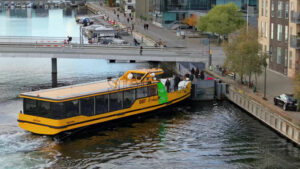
x: 190, y: 135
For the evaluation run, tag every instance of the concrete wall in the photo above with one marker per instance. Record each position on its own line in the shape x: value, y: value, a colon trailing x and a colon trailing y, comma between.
x: 271, y: 118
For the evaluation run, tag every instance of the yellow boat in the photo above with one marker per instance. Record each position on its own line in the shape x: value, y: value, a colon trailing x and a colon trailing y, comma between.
x: 52, y: 111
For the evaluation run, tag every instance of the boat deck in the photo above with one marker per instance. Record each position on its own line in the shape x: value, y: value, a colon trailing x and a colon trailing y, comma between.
x: 68, y: 92
x: 75, y: 91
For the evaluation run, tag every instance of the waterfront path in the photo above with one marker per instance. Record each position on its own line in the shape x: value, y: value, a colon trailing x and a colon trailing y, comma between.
x: 258, y: 96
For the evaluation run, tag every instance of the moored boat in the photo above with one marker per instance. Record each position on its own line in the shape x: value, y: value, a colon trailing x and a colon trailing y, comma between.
x: 56, y: 110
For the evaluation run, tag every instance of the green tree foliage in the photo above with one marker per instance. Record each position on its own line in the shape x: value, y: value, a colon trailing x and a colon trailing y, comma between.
x: 222, y: 20
x: 297, y: 88
x: 243, y: 53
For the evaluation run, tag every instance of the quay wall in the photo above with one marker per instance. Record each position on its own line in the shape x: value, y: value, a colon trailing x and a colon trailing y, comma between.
x: 266, y: 112
x: 272, y: 118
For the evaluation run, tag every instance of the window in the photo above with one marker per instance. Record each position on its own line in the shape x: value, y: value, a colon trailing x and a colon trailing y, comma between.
x: 262, y: 29
x: 152, y: 90
x: 87, y: 106
x: 266, y: 31
x: 101, y: 104
x: 271, y: 53
x: 262, y: 8
x: 285, y: 57
x: 129, y: 98
x: 290, y: 59
x: 266, y: 8
x: 272, y: 31
x: 51, y: 110
x: 279, y: 7
x: 115, y: 101
x: 71, y: 108
x: 279, y: 32
x: 272, y: 8
x: 278, y: 55
x: 141, y: 92
x: 287, y: 10
x: 286, y: 34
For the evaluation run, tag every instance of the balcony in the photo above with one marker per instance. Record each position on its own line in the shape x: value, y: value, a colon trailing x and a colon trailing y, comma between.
x: 295, y: 42
x: 295, y: 17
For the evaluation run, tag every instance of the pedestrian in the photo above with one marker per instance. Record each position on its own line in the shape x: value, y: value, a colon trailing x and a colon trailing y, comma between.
x: 130, y: 15
x: 176, y: 82
x: 168, y: 85
x: 128, y: 20
x: 132, y: 27
x: 135, y: 42
x: 142, y: 39
x: 144, y: 26
x: 68, y: 39
x: 118, y: 16
x: 193, y: 71
x: 197, y: 72
x: 147, y: 26
x: 141, y: 50
x: 202, y: 76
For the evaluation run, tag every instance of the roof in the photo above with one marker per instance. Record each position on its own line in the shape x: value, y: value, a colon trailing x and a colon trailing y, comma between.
x: 77, y: 91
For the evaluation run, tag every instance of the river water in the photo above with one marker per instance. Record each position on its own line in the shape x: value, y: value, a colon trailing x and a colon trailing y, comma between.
x: 187, y: 135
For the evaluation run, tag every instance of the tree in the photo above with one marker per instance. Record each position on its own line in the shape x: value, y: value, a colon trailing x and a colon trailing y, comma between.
x: 222, y: 20
x: 297, y: 88
x: 243, y: 53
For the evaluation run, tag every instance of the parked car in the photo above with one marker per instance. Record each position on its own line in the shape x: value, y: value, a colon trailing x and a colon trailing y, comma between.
x: 287, y: 101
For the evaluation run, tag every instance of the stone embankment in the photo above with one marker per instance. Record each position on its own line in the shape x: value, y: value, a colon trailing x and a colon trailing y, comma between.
x: 284, y: 122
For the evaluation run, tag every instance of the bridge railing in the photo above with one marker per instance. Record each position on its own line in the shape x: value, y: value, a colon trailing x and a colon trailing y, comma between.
x: 35, y: 39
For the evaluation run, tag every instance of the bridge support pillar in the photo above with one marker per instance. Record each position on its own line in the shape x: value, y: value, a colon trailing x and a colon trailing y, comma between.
x: 54, y: 72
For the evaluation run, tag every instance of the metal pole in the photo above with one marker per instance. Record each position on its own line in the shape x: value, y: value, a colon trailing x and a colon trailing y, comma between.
x: 209, y: 52
x: 54, y: 72
x: 265, y: 83
x: 247, y: 14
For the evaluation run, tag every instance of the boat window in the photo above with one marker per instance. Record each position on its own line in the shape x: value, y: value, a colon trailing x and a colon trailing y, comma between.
x: 152, y: 90
x: 87, y: 106
x: 51, y: 110
x: 30, y: 107
x: 71, y: 108
x: 58, y: 111
x: 129, y: 98
x: 101, y: 104
x: 115, y: 101
x: 141, y: 92
x: 137, y: 76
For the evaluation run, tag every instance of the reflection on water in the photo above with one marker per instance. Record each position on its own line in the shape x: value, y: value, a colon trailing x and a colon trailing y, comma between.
x: 40, y: 22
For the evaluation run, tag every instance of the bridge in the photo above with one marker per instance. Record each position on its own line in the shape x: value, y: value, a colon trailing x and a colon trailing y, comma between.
x: 56, y: 48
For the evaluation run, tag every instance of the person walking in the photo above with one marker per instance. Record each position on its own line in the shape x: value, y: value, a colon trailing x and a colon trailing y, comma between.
x: 176, y: 82
x: 168, y: 85
x: 141, y: 50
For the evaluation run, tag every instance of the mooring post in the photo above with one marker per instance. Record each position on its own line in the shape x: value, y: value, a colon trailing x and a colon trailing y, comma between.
x: 54, y: 72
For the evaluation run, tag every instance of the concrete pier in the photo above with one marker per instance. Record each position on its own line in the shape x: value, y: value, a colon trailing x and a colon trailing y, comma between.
x: 54, y: 72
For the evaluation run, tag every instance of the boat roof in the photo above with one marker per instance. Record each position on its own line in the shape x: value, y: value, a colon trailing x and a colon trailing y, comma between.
x: 74, y: 92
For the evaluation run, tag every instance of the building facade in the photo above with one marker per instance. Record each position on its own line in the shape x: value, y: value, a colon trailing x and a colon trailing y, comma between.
x: 278, y: 26
x: 164, y: 12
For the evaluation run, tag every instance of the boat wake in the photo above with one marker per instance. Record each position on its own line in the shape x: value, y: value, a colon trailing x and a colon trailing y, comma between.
x: 19, y: 149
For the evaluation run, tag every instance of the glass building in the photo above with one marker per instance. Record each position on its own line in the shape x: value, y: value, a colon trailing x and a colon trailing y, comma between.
x: 167, y: 11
